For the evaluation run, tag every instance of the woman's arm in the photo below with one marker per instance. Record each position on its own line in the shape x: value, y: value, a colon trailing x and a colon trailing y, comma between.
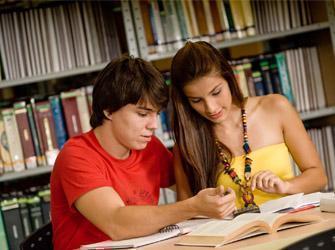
x: 302, y: 149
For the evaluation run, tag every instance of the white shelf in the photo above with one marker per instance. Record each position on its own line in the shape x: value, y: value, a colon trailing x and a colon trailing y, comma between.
x: 24, y: 174
x: 317, y: 113
x: 51, y: 76
x: 251, y: 39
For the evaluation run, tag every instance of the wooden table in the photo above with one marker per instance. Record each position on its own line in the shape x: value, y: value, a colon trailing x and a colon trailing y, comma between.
x: 267, y: 241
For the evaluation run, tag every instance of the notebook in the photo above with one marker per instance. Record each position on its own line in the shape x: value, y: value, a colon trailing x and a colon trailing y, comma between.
x: 164, y: 234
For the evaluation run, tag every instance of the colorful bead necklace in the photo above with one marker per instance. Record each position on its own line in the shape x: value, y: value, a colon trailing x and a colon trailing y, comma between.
x: 247, y: 195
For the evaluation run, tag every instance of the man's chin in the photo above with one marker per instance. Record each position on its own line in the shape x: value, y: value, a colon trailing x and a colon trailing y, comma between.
x: 140, y: 145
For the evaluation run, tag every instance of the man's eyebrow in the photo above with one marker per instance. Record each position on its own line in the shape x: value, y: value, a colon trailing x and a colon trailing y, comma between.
x: 145, y: 108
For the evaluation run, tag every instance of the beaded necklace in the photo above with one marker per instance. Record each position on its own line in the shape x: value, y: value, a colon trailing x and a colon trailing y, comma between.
x: 247, y: 195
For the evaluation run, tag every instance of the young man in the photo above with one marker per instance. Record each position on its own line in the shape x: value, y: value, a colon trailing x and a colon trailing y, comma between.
x: 105, y: 183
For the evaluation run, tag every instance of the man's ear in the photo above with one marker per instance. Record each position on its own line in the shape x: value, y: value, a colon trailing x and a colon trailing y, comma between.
x: 108, y: 115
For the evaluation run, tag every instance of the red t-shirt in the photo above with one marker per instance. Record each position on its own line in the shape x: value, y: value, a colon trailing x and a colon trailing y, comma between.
x: 83, y: 165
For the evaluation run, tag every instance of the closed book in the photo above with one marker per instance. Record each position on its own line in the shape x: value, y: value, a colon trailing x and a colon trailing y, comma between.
x: 47, y: 126
x: 259, y: 86
x: 25, y: 135
x: 25, y: 217
x: 36, y: 136
x: 265, y: 71
x: 284, y: 76
x: 83, y: 110
x: 3, y: 238
x: 45, y: 204
x: 4, y: 149
x: 274, y: 74
x: 35, y: 212
x: 13, y: 137
x: 57, y: 114
x: 71, y: 113
x: 12, y: 222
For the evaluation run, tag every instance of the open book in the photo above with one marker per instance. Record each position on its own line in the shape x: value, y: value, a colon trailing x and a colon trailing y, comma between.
x: 292, y: 202
x: 165, y: 233
x: 220, y: 232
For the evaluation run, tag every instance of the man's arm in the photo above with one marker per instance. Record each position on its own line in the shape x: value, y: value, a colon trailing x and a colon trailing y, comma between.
x: 104, y: 208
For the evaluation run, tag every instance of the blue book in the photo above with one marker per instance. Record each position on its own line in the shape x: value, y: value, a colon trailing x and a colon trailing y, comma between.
x: 57, y: 114
x: 284, y: 76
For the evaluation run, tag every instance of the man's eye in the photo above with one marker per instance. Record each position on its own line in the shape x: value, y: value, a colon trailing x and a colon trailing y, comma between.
x: 142, y: 114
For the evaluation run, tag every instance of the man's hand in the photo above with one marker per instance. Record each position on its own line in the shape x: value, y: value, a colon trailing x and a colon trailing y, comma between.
x: 215, y: 202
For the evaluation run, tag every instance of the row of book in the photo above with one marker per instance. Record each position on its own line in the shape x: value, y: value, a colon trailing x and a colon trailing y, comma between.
x: 40, y: 40
x: 167, y: 23
x: 294, y: 73
x: 32, y: 132
x: 324, y: 141
x: 21, y: 214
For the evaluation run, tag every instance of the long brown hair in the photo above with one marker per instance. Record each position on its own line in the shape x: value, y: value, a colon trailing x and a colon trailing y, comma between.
x: 194, y: 134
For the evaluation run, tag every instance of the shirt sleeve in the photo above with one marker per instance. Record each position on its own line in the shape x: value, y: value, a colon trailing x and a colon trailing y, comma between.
x: 80, y: 173
x: 166, y: 165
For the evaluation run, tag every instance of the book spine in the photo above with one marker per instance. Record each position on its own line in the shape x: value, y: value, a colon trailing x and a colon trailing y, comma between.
x: 4, y: 148
x: 47, y: 125
x: 84, y: 115
x: 15, y: 148
x: 56, y: 108
x: 35, y: 136
x: 13, y: 224
x: 25, y: 135
x: 3, y: 238
x: 24, y: 213
x: 35, y: 212
x: 284, y: 76
x: 71, y: 114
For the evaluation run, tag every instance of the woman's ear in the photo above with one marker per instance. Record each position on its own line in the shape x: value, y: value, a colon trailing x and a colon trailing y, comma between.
x: 108, y: 115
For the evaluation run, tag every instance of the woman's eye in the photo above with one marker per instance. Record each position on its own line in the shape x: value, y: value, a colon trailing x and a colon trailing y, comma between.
x: 195, y: 100
x: 217, y: 92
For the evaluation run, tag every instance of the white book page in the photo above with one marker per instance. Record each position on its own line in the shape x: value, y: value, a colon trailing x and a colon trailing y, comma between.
x: 289, y: 201
x: 225, y: 228
x: 183, y: 228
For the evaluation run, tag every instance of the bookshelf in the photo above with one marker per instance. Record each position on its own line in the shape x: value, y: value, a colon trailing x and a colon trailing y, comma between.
x: 137, y: 45
x: 14, y: 176
x: 251, y: 39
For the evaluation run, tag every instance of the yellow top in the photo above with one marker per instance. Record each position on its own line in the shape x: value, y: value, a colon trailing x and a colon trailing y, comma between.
x: 275, y: 158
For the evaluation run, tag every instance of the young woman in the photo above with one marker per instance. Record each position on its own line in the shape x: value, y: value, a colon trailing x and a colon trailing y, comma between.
x: 242, y: 143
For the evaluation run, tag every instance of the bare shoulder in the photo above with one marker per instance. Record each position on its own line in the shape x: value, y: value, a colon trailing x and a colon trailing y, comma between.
x: 274, y: 103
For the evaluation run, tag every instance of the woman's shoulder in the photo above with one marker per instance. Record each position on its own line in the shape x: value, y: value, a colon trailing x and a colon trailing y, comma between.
x: 271, y: 103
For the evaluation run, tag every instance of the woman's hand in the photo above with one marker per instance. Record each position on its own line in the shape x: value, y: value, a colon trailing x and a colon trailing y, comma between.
x: 268, y: 182
x: 215, y: 202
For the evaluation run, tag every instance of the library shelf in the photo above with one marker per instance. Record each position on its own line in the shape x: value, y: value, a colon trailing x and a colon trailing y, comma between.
x: 24, y: 174
x: 252, y: 39
x: 52, y: 76
x: 317, y: 113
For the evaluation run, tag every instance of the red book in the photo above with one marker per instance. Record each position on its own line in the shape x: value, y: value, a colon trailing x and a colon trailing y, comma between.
x: 71, y: 113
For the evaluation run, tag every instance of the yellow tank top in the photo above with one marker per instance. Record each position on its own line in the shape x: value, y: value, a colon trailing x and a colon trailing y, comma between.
x: 275, y: 158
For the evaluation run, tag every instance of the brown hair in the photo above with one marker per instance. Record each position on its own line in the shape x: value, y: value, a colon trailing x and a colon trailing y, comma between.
x: 193, y: 133
x: 127, y: 80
